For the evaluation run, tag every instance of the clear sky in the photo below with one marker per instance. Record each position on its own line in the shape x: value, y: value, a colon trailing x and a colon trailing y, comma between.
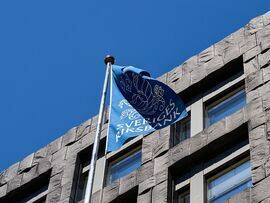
x: 51, y: 55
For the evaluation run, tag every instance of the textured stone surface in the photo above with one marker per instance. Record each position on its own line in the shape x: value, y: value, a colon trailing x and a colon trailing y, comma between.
x: 159, y: 194
x: 30, y: 175
x: 254, y: 80
x: 26, y: 163
x: 162, y: 176
x: 255, y: 25
x: 54, y: 196
x: 243, y: 197
x: 251, y: 66
x: 254, y: 107
x: 257, y: 120
x: 206, y: 55
x: 235, y: 120
x: 161, y: 142
x: 146, y: 185
x: 40, y: 154
x: 266, y: 74
x: 145, y: 197
x: 214, y: 64
x: 198, y: 141
x: 264, y: 58
x: 146, y: 171
x: 94, y: 123
x: 70, y: 137
x: 190, y: 65
x: 215, y: 131
x: 67, y: 192
x: 128, y: 182
x: 54, y: 146
x: 68, y: 172
x: 163, y: 78
x: 147, y: 147
x: 44, y: 165
x: 266, y: 200
x: 261, y: 190
x: 161, y: 163
x: 10, y: 173
x: 251, y: 53
x: 266, y: 18
x: 14, y: 183
x: 111, y: 192
x: 258, y: 146
x: 83, y: 129
x: 266, y: 96
x: 2, y: 178
x: 55, y: 182
x: 96, y: 197
x: 174, y: 75
x: 182, y: 84
x: 179, y: 151
x: 249, y: 43
x: 263, y: 38
x: 3, y: 190
x: 258, y: 174
x: 198, y: 74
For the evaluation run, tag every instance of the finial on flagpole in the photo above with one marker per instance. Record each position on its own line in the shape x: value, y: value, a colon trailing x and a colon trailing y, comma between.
x: 109, y: 59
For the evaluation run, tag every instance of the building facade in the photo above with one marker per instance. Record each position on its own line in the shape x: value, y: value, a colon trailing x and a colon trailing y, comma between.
x: 219, y: 153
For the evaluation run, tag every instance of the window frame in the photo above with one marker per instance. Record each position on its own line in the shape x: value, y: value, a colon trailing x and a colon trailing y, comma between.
x: 218, y: 173
x: 219, y: 98
x: 175, y: 126
x: 207, y: 170
x: 182, y: 193
x: 116, y: 160
x: 36, y: 196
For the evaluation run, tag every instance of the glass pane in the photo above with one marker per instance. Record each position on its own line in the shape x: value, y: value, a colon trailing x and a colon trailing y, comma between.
x: 182, y: 130
x: 230, y: 183
x: 226, y: 107
x: 125, y: 166
x: 184, y: 198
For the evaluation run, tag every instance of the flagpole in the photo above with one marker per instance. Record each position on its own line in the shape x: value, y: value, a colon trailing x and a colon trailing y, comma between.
x: 109, y: 60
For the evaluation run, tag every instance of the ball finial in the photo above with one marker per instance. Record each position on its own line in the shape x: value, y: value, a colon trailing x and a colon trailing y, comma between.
x: 109, y: 59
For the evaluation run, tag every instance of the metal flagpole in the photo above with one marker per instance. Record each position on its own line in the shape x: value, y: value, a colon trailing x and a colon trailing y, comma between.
x: 109, y: 60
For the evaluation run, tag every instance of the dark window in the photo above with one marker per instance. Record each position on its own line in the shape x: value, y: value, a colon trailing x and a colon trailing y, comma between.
x: 181, y: 130
x: 37, y: 197
x: 82, y: 181
x: 82, y: 170
x: 34, y: 191
x: 184, y: 197
x: 229, y: 182
x: 225, y: 106
x: 124, y: 165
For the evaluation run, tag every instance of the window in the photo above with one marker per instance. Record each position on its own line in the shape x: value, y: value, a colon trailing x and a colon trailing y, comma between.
x: 225, y: 106
x: 82, y: 181
x: 184, y: 197
x: 39, y: 196
x: 82, y: 170
x: 34, y: 191
x: 230, y: 182
x: 124, y: 165
x: 181, y: 130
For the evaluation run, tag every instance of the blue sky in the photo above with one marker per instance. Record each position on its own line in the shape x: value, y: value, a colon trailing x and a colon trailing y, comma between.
x: 51, y: 56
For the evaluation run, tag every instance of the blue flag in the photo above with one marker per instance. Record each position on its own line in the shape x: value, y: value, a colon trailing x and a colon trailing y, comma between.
x: 139, y: 105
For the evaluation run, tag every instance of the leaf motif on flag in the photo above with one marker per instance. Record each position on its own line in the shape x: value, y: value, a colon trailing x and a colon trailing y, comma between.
x: 145, y: 98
